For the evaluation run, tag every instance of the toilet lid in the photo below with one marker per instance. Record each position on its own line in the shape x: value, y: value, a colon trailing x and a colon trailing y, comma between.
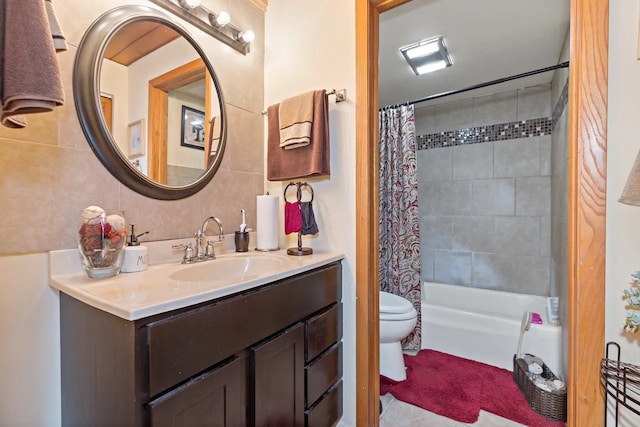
x: 393, y: 304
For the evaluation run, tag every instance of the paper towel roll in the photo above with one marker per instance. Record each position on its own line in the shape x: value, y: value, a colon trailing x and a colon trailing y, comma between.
x: 267, y: 223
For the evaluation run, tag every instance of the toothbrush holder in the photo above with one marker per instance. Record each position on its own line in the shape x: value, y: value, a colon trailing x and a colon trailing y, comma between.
x: 241, y: 240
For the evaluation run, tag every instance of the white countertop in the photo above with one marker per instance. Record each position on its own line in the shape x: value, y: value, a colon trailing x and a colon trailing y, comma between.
x: 133, y: 296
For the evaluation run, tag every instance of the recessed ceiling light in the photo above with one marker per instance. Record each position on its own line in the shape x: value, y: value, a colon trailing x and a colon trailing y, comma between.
x: 426, y: 55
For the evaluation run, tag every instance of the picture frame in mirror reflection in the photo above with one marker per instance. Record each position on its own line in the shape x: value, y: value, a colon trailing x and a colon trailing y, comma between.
x: 192, y: 128
x: 136, y: 141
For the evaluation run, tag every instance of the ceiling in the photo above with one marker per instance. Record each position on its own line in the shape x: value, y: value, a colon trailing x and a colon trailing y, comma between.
x: 486, y: 39
x: 137, y: 40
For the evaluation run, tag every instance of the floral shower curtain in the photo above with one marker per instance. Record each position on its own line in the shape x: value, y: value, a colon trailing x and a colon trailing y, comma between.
x: 399, y: 217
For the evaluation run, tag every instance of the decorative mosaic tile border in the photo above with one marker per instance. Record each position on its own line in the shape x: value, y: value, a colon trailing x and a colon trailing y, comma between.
x: 496, y: 132
x: 488, y: 133
x: 560, y: 105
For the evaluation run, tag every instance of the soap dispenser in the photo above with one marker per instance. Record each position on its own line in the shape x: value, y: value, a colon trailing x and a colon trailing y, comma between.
x: 135, y: 254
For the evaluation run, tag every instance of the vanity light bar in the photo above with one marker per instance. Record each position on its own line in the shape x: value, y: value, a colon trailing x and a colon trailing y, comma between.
x: 216, y: 25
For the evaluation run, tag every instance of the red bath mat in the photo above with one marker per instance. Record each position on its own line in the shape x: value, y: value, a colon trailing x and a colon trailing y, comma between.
x: 458, y: 388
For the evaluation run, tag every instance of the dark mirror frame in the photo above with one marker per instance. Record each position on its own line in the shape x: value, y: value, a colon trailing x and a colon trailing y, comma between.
x: 86, y: 94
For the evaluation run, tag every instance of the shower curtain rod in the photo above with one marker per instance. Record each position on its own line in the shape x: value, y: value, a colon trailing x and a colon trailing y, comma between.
x: 490, y: 83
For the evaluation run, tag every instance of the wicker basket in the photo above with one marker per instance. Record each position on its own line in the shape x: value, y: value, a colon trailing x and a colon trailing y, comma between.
x: 551, y: 404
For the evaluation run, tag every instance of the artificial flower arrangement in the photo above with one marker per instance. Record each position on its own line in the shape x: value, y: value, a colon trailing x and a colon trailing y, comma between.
x: 632, y: 297
x: 101, y: 237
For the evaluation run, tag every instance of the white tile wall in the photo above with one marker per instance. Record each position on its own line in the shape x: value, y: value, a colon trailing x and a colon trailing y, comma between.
x: 473, y: 233
x: 534, y: 102
x: 519, y: 157
x: 533, y: 196
x: 486, y: 207
x: 447, y: 198
x: 495, y: 108
x: 453, y: 115
x: 453, y: 267
x: 434, y: 165
x: 473, y: 161
x: 494, y: 196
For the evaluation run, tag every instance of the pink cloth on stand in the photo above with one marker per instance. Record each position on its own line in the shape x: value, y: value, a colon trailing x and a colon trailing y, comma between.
x: 292, y: 217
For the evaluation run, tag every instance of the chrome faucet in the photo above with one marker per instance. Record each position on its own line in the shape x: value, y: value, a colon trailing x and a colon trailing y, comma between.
x: 200, y: 253
x: 207, y: 252
x: 206, y: 223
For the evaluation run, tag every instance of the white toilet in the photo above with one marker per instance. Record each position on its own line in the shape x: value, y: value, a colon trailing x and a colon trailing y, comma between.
x: 397, y: 320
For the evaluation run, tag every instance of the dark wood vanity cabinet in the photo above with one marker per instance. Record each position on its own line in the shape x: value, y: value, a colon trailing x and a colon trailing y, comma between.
x: 278, y: 377
x: 216, y: 398
x: 270, y: 356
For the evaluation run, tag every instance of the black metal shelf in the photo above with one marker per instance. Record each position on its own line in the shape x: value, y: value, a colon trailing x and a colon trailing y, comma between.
x: 621, y: 381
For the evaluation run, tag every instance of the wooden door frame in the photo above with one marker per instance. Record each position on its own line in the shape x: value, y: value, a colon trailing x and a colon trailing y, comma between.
x: 587, y: 184
x: 158, y: 112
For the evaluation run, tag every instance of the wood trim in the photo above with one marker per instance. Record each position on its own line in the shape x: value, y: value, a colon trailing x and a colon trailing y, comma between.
x: 106, y: 103
x: 367, y: 327
x: 159, y: 109
x: 383, y: 6
x: 260, y: 4
x: 587, y: 180
x: 180, y: 76
x: 157, y: 134
x: 587, y: 190
x: 367, y: 166
x: 209, y: 90
x: 135, y: 41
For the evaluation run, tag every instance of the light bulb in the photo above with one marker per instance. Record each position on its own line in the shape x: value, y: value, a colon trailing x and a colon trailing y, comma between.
x: 223, y: 18
x: 246, y: 36
x: 190, y: 4
x: 432, y: 66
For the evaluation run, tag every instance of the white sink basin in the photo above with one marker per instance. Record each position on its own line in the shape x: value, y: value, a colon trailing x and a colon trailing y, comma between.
x: 231, y: 268
x: 189, y: 279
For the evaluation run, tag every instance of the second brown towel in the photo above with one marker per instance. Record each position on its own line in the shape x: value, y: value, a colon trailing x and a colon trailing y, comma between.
x: 29, y: 69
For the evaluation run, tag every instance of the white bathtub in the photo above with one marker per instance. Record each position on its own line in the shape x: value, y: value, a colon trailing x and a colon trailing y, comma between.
x: 484, y: 325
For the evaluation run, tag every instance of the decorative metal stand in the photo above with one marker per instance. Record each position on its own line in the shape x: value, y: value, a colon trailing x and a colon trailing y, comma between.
x: 620, y: 381
x: 299, y: 251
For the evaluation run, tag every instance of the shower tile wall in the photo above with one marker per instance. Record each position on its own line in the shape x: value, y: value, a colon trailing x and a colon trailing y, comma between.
x: 560, y: 185
x: 485, y: 206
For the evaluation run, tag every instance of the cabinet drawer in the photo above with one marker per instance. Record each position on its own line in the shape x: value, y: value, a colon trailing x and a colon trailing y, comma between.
x: 328, y: 410
x: 322, y: 331
x: 190, y: 342
x: 323, y: 373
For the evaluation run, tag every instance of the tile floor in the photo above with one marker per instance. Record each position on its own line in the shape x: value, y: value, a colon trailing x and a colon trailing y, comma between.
x: 396, y: 413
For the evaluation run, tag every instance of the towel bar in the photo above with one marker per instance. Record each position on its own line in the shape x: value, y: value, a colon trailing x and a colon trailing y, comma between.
x: 299, y: 186
x: 341, y: 95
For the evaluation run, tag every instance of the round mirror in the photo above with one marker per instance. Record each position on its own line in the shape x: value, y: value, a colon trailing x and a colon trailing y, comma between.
x: 149, y: 103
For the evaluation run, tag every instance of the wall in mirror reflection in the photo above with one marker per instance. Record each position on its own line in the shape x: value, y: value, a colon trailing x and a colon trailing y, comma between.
x: 188, y: 144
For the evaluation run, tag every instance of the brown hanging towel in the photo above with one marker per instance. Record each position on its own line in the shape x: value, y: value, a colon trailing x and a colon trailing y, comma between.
x: 309, y: 160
